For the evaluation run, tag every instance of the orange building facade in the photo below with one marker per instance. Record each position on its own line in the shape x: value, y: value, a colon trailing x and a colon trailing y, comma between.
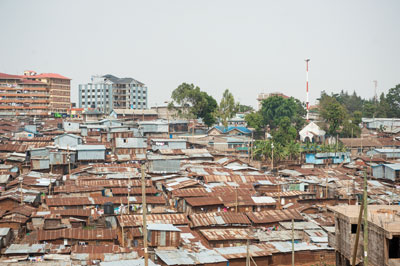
x: 34, y: 94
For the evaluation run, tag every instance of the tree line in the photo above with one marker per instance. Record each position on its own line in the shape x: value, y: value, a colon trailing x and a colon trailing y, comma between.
x: 342, y: 112
x: 282, y: 118
x: 192, y: 103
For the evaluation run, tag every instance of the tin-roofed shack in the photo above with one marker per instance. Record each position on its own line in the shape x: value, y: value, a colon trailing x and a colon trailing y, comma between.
x: 91, y: 152
x: 72, y: 236
x: 163, y: 235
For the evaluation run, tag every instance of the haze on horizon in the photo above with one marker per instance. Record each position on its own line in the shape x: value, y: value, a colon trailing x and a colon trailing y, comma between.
x: 248, y: 47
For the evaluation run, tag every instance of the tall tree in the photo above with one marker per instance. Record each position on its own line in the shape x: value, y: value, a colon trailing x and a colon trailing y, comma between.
x: 276, y: 107
x: 285, y: 133
x: 333, y: 112
x: 245, y: 108
x: 193, y: 103
x: 383, y: 107
x: 393, y: 100
x: 227, y: 107
x: 254, y: 120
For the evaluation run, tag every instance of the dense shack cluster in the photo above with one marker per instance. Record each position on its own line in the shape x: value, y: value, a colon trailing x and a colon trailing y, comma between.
x: 72, y: 194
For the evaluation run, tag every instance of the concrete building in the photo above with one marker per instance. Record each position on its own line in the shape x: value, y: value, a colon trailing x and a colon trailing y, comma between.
x: 312, y: 133
x: 383, y: 235
x: 109, y: 92
x: 34, y: 94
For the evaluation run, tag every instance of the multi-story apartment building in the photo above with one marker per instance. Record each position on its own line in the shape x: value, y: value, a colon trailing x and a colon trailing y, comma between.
x: 33, y: 94
x: 108, y: 92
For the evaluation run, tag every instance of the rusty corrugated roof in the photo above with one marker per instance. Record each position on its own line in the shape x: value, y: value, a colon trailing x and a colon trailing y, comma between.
x: 203, y: 201
x: 274, y: 216
x: 227, y: 234
x: 77, y: 233
x: 218, y: 219
x: 137, y: 220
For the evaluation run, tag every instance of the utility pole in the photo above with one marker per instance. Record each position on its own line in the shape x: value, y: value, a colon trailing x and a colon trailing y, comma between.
x: 353, y: 263
x: 351, y: 141
x: 252, y: 141
x: 122, y: 226
x: 68, y: 160
x: 20, y: 179
x: 365, y: 220
x: 129, y: 189
x: 236, y: 197
x: 292, y: 242
x: 307, y: 101
x: 248, y: 253
x: 272, y: 156
x: 144, y: 210
x: 279, y: 196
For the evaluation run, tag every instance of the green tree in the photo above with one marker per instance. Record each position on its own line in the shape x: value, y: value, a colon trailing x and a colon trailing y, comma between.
x: 207, y: 111
x: 193, y: 103
x: 276, y: 107
x: 262, y: 149
x: 227, y: 107
x: 286, y: 133
x: 393, y: 101
x: 369, y: 109
x: 245, y: 108
x: 254, y: 120
x: 333, y: 113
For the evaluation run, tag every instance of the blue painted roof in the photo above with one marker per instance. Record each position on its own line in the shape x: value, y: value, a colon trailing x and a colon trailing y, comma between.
x: 223, y: 129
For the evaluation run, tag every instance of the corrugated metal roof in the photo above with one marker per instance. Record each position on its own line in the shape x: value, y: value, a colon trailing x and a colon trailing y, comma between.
x: 227, y: 234
x: 300, y: 246
x: 77, y: 233
x: 218, y: 219
x: 90, y: 147
x: 266, y: 200
x: 25, y: 249
x: 273, y: 216
x: 205, y: 256
x: 4, y: 231
x: 163, y: 227
x: 137, y: 262
x: 259, y: 250
x: 300, y: 225
x: 281, y: 235
x: 203, y: 201
x: 175, y: 257
x: 137, y: 220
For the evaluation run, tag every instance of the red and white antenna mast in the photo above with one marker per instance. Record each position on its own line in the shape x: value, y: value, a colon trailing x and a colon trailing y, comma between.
x: 307, y: 100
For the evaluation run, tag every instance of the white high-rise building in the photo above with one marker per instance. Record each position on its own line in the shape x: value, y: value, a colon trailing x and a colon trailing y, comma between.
x: 109, y: 92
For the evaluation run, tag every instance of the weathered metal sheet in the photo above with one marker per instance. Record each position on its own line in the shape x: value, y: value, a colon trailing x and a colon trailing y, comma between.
x: 218, y: 219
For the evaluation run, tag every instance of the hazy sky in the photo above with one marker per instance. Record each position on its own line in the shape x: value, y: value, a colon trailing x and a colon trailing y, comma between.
x: 246, y: 46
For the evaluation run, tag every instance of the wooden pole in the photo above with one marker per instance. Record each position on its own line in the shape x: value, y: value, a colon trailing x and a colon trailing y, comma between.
x: 365, y: 220
x: 69, y: 160
x: 279, y: 196
x: 248, y: 253
x: 272, y: 157
x: 129, y: 189
x: 292, y: 242
x: 236, y: 197
x: 144, y: 208
x: 122, y: 226
x: 20, y: 188
x: 326, y: 187
x: 353, y: 263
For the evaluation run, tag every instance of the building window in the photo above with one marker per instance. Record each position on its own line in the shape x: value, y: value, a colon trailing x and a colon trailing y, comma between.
x: 394, y: 247
x: 353, y: 228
